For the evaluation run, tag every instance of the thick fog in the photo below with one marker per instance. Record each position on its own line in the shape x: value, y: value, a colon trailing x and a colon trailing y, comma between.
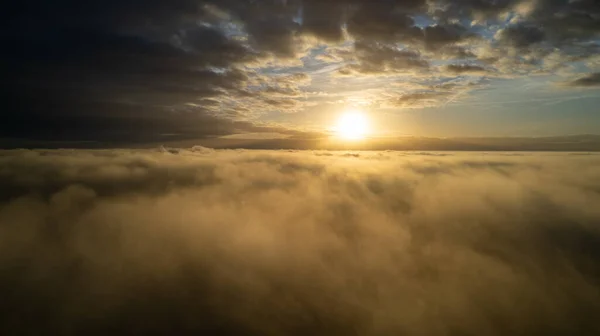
x: 197, y: 241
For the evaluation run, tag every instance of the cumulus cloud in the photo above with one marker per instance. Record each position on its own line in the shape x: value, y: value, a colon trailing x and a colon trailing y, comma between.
x: 175, y: 241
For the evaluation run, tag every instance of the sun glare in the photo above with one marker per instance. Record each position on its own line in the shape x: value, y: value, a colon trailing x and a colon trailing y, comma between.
x: 352, y: 125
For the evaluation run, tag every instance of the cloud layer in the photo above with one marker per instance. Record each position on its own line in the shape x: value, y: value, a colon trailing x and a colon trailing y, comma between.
x: 175, y: 241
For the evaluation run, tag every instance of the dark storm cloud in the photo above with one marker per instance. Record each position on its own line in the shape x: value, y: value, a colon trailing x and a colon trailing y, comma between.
x: 197, y: 241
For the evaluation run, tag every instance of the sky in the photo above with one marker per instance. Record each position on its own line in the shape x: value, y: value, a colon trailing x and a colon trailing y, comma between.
x: 131, y: 72
x: 300, y: 167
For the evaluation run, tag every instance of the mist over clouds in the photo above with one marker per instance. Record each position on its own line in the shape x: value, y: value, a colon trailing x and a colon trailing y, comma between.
x: 232, y: 242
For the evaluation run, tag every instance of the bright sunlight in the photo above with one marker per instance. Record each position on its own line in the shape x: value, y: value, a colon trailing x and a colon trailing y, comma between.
x: 352, y: 125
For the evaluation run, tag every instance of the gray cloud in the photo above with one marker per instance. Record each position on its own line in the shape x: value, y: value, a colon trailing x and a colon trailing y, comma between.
x: 484, y: 9
x: 289, y: 243
x: 439, y: 35
x: 381, y: 59
x: 271, y: 25
x: 590, y: 80
x: 382, y: 21
x: 324, y: 20
x: 465, y: 68
x: 417, y: 99
x: 520, y: 36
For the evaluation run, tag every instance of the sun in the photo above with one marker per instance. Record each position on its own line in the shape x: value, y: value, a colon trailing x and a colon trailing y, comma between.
x: 352, y: 125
